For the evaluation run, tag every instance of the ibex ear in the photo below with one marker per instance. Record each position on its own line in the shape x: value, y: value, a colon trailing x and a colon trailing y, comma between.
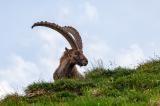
x: 66, y: 49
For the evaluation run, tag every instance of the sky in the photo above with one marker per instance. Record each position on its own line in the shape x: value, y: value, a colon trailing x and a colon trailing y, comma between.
x: 120, y: 33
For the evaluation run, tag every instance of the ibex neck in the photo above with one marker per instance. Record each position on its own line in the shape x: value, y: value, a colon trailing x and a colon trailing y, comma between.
x: 66, y: 65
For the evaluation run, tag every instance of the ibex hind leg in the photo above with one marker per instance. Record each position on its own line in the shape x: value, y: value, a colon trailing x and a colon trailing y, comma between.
x: 58, y: 74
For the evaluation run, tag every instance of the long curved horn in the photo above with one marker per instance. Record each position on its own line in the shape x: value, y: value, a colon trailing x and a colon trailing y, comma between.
x: 58, y: 29
x: 76, y: 35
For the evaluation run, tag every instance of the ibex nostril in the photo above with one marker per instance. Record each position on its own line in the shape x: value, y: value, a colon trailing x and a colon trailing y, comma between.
x: 85, y: 62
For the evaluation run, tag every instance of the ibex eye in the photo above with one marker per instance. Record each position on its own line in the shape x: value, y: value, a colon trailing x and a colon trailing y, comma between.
x: 76, y: 53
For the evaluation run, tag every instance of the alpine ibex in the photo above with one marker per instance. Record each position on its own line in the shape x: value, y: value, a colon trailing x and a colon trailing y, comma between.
x: 71, y: 57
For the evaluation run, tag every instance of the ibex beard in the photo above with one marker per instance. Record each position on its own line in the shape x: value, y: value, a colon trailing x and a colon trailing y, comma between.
x: 71, y: 57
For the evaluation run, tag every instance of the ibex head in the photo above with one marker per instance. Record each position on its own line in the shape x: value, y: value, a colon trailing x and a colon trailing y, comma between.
x: 75, y: 54
x: 76, y: 57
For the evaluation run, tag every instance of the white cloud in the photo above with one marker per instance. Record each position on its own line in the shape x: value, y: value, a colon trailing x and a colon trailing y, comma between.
x: 91, y: 11
x: 130, y: 57
x: 88, y: 13
x: 97, y: 48
x: 49, y: 37
x: 5, y: 89
x: 19, y: 74
x: 64, y: 12
x: 79, y: 13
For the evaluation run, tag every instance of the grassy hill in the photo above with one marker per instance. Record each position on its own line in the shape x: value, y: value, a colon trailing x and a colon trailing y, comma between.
x: 101, y: 87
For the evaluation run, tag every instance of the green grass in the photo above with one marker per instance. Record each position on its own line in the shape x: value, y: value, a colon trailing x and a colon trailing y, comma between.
x: 101, y: 87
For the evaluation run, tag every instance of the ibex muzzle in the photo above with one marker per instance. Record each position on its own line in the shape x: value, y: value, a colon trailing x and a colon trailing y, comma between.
x: 71, y: 57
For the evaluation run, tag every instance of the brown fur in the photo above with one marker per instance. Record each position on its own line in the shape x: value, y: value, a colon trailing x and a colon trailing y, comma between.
x: 67, y: 67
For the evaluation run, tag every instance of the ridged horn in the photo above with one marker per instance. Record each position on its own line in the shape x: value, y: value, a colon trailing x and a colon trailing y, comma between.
x: 75, y: 34
x: 59, y: 29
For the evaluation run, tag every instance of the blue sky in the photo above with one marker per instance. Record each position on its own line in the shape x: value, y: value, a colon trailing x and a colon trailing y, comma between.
x: 122, y: 32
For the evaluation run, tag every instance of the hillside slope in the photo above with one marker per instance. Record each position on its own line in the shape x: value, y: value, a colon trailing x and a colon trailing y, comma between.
x: 101, y: 87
